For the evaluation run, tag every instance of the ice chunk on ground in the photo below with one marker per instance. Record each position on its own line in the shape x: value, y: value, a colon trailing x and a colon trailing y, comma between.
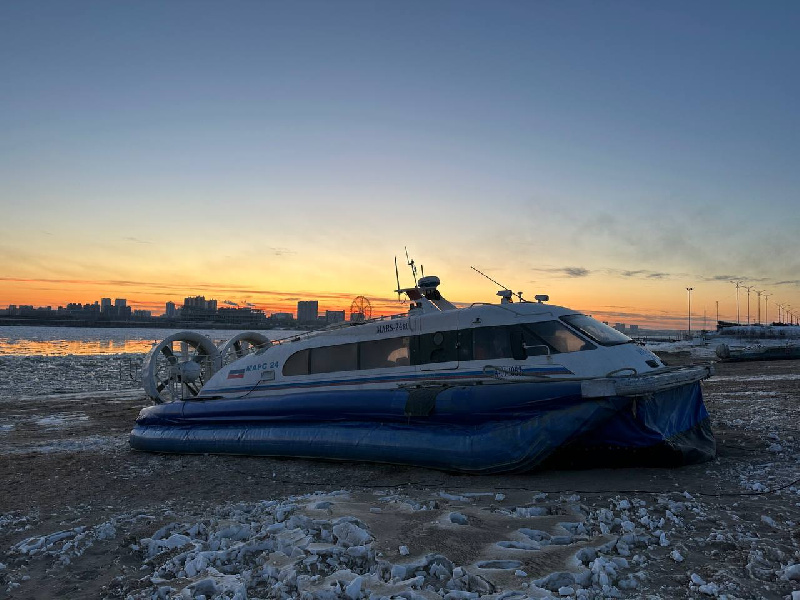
x: 350, y: 534
x: 769, y: 521
x: 697, y: 580
x: 531, y: 511
x: 709, y: 589
x: 453, y: 497
x: 353, y: 591
x: 458, y: 518
x: 792, y: 572
x: 499, y: 564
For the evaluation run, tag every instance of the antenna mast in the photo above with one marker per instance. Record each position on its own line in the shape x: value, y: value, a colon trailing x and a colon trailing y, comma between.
x: 412, y: 265
x: 517, y: 294
x: 397, y: 275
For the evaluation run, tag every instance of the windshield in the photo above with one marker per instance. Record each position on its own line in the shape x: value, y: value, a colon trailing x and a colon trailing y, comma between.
x: 599, y: 332
x: 555, y: 336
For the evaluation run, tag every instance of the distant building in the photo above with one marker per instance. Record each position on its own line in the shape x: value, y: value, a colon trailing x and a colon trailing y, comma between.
x: 105, y: 304
x: 142, y: 314
x: 334, y: 316
x: 120, y: 303
x: 620, y: 327
x: 198, y: 307
x: 634, y: 329
x: 356, y: 317
x: 191, y: 302
x: 242, y: 316
x: 307, y: 311
x: 170, y: 311
x: 281, y: 316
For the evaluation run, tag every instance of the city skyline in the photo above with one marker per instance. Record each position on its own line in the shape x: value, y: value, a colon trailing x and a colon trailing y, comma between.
x: 745, y: 311
x: 610, y: 156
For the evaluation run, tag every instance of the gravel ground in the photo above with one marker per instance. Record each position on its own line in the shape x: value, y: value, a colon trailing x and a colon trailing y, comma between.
x: 82, y: 516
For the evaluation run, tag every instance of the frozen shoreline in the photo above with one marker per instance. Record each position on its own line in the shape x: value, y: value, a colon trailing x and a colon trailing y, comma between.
x: 74, y: 500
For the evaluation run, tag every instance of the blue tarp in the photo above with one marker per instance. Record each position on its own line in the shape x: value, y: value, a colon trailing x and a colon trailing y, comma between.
x: 476, y: 429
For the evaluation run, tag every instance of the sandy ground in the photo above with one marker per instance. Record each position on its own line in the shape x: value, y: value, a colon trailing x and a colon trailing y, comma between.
x: 82, y: 516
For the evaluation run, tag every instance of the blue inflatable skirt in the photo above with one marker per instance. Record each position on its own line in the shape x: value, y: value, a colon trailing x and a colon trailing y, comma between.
x: 480, y: 429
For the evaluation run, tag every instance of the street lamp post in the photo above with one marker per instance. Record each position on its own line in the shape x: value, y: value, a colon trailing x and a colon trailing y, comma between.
x: 738, y: 285
x: 748, y: 288
x: 689, y: 289
x: 766, y: 308
x: 758, y: 293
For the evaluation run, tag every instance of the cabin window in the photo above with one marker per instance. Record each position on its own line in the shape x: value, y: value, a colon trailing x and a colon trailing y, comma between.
x: 436, y: 347
x: 491, y: 342
x: 557, y: 337
x: 465, y: 344
x: 599, y: 332
x: 533, y: 345
x: 379, y: 354
x: 297, y: 363
x: 334, y: 358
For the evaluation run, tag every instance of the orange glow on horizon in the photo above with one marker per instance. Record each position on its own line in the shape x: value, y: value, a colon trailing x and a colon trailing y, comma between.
x: 643, y: 305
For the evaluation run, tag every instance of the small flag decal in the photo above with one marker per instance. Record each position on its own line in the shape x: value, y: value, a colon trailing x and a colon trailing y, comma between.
x: 236, y: 374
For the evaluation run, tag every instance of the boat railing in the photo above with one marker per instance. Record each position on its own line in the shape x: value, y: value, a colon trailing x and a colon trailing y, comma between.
x: 626, y: 381
x: 510, y: 308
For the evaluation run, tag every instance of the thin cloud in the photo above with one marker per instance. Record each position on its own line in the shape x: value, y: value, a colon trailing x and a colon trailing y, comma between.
x: 639, y: 274
x: 278, y: 251
x: 136, y: 240
x: 788, y: 282
x: 577, y: 272
x: 645, y: 274
x: 722, y: 278
x: 567, y: 271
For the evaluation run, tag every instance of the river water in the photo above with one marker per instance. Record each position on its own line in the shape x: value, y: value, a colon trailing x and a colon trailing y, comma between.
x: 65, y: 341
x: 52, y: 361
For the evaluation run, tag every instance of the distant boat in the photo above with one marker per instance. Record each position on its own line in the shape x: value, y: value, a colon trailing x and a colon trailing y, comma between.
x: 787, y: 352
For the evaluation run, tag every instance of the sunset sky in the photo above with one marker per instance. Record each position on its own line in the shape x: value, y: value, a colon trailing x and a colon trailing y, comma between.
x: 608, y: 154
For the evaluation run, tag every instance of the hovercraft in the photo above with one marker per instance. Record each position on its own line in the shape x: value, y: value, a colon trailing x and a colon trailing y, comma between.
x: 487, y: 388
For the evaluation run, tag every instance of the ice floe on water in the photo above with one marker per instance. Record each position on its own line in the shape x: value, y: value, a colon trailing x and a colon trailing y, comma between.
x: 22, y: 376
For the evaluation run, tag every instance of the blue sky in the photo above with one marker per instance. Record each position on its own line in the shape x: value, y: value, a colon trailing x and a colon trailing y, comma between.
x: 561, y: 144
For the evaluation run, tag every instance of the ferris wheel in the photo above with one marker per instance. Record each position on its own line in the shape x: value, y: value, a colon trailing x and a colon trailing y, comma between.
x: 360, y: 309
